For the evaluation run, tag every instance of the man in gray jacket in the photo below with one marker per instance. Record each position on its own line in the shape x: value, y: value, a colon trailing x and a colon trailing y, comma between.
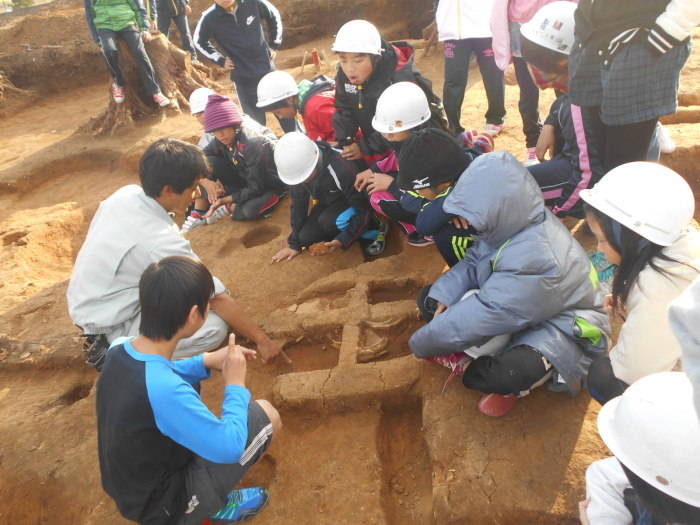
x: 534, y: 282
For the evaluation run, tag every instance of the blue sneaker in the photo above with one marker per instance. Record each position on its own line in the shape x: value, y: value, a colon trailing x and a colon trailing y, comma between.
x: 241, y: 505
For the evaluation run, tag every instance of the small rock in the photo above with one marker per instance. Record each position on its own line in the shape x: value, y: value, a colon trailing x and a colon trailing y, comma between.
x: 292, y: 308
x: 24, y: 356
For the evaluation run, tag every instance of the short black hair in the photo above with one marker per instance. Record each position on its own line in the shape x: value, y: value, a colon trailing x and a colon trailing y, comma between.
x: 171, y: 162
x: 168, y: 290
x: 278, y: 105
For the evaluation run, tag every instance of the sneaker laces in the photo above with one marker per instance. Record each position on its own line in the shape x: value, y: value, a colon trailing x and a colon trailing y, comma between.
x: 192, y: 221
x: 455, y: 362
x: 220, y: 213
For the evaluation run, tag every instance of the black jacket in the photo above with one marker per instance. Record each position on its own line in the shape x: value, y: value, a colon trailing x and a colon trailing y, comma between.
x: 334, y: 182
x: 248, y: 165
x: 598, y: 22
x: 239, y: 34
x: 356, y: 105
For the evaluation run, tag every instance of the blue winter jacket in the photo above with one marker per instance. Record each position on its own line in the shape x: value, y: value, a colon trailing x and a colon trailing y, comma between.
x: 535, y: 279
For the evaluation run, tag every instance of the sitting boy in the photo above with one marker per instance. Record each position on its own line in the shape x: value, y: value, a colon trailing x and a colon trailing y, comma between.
x: 164, y: 457
x: 126, y: 20
x: 242, y: 164
x: 314, y: 100
x: 340, y: 215
x: 431, y: 164
x: 368, y: 65
x: 133, y: 228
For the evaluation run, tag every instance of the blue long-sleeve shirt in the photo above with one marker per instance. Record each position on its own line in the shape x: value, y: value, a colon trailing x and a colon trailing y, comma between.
x: 151, y: 422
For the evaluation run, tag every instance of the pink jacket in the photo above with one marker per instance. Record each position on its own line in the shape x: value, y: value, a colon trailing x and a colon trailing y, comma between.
x: 505, y: 11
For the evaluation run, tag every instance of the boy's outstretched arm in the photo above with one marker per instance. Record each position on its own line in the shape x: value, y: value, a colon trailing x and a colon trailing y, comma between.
x: 230, y: 311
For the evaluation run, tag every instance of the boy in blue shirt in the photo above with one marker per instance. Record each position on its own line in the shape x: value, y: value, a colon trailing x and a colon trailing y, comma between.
x: 164, y: 457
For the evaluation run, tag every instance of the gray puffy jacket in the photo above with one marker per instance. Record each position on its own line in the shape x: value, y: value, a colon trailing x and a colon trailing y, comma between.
x: 535, y: 279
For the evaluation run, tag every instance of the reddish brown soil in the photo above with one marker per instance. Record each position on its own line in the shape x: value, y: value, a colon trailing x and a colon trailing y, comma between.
x: 368, y: 437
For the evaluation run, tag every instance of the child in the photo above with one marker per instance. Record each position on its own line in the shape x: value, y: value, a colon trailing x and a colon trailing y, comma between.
x: 534, y: 284
x: 340, y: 214
x: 546, y: 42
x: 133, y: 228
x: 464, y: 28
x: 237, y: 28
x: 432, y: 162
x: 625, y: 68
x: 403, y: 109
x: 314, y: 100
x: 164, y: 457
x: 368, y: 65
x: 506, y: 19
x: 653, y: 478
x: 126, y: 20
x: 242, y: 165
x: 639, y: 213
x: 176, y: 11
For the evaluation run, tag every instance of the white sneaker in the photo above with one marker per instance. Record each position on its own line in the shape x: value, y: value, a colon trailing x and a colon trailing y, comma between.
x: 531, y: 158
x: 493, y: 129
x: 192, y: 221
x: 161, y: 99
x: 221, y: 213
x: 117, y: 93
x: 666, y: 143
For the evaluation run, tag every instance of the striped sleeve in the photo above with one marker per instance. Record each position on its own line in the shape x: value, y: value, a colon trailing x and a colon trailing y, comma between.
x: 274, y: 23
x: 673, y: 25
x: 201, y: 40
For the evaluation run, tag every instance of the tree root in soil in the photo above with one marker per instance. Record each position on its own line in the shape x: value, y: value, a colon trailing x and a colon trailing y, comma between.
x: 178, y: 77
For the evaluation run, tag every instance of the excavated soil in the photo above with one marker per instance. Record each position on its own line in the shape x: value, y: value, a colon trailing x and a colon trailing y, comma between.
x: 368, y: 436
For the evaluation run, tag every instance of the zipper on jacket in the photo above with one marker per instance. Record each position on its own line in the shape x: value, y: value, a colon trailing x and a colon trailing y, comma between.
x: 359, y: 97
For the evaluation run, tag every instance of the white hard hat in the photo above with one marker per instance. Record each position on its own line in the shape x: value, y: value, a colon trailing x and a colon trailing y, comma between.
x: 400, y: 107
x: 653, y: 430
x: 296, y: 156
x: 276, y: 86
x: 199, y: 98
x: 358, y: 36
x: 552, y: 27
x: 648, y: 198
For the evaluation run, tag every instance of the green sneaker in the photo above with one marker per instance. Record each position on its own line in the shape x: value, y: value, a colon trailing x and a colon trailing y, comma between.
x: 241, y: 505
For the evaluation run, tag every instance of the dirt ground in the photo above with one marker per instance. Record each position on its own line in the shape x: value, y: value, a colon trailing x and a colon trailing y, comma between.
x: 368, y: 436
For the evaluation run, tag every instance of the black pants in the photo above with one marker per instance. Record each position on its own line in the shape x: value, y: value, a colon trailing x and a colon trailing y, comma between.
x: 184, y: 29
x: 110, y: 49
x: 247, y: 91
x: 602, y: 383
x: 458, y: 54
x: 529, y: 102
x: 512, y: 371
x: 320, y: 225
x: 628, y: 143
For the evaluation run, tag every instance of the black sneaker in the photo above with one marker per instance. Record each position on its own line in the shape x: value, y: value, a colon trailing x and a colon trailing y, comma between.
x: 377, y: 246
x: 416, y: 239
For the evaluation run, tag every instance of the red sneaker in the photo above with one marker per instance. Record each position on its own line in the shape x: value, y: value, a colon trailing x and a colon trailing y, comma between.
x: 457, y: 363
x: 496, y: 405
x: 161, y: 99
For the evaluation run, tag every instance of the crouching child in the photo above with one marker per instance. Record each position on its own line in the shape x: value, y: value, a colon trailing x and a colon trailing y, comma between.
x: 527, y: 279
x: 164, y: 457
x: 341, y: 215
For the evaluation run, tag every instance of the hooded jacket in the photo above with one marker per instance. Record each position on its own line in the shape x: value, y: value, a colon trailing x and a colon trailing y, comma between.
x: 535, y: 279
x: 356, y: 105
x: 239, y: 34
x: 116, y: 15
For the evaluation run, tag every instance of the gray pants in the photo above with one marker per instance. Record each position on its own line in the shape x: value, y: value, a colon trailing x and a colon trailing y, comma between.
x: 207, y: 338
x: 209, y: 483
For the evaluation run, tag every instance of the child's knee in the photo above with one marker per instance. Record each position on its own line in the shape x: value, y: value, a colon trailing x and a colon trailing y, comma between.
x: 272, y: 414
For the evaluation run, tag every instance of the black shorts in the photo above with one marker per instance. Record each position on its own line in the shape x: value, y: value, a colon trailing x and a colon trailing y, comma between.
x: 207, y: 483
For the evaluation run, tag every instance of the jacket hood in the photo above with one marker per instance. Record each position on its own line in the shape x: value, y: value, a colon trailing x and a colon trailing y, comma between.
x: 309, y: 88
x: 498, y: 196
